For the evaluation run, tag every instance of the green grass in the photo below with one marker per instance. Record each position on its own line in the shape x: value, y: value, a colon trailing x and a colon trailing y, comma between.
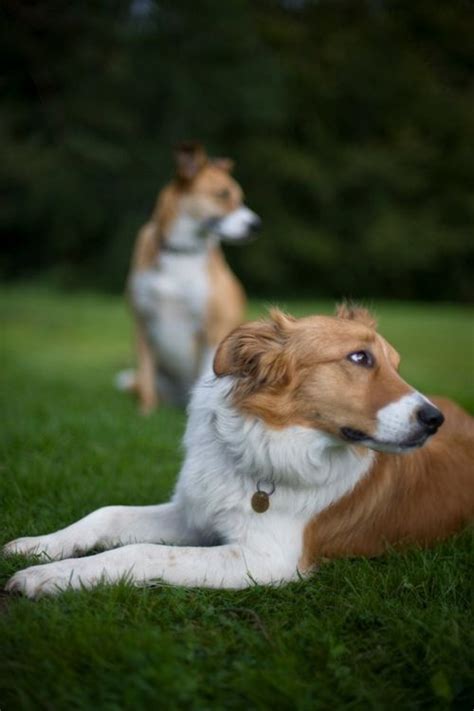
x: 392, y: 633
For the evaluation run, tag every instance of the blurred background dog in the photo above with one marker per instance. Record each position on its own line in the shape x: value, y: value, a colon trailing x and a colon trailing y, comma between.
x: 184, y: 297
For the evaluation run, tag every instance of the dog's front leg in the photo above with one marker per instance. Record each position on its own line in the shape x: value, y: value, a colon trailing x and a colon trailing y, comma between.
x: 227, y: 566
x: 146, y: 372
x: 106, y: 528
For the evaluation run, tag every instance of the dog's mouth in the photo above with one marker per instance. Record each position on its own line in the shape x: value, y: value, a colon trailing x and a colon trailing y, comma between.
x: 242, y: 239
x: 211, y: 224
x: 354, y: 435
x: 243, y: 233
x: 245, y: 237
x: 415, y: 441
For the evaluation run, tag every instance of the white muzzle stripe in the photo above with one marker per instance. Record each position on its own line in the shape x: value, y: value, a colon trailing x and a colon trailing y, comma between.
x: 397, y: 421
x: 237, y: 224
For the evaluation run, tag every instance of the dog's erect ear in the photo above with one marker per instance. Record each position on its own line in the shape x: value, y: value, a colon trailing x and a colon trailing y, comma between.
x: 226, y: 164
x: 190, y: 157
x: 352, y: 312
x: 254, y: 352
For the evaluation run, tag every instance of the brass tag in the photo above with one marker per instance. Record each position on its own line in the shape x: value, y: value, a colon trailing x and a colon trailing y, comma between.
x: 260, y: 501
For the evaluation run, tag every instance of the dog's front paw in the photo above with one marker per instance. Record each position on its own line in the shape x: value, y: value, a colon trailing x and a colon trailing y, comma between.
x: 50, y: 547
x: 49, y: 579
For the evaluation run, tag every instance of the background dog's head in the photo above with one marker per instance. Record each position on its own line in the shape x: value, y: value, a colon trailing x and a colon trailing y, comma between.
x: 205, y: 191
x: 334, y: 374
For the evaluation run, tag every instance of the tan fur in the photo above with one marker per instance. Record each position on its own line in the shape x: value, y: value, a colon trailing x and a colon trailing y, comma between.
x: 197, y: 181
x: 146, y: 248
x: 145, y: 377
x: 414, y: 498
x: 227, y: 301
x: 295, y: 372
x: 352, y: 312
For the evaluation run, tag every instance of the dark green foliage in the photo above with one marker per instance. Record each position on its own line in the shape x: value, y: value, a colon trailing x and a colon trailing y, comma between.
x: 392, y: 633
x: 351, y: 122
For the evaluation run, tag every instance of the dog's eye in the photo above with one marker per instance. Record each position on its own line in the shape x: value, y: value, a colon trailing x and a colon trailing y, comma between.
x: 363, y: 358
x: 223, y: 194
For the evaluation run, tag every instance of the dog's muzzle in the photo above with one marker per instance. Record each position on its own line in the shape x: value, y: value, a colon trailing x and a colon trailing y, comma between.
x: 428, y: 420
x: 239, y: 226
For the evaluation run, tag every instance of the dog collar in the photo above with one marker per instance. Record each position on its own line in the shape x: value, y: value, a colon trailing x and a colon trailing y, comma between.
x: 260, y: 501
x: 182, y: 250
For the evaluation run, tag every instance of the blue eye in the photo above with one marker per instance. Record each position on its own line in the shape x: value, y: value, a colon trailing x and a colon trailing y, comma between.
x: 363, y: 358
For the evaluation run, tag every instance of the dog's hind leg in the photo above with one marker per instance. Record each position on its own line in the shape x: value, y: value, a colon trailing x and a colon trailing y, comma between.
x: 109, y: 527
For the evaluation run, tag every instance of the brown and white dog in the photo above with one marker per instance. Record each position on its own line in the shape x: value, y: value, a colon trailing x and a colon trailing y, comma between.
x: 184, y: 297
x: 303, y: 443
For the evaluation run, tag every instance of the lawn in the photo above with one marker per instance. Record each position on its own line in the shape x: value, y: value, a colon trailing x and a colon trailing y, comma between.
x: 391, y: 633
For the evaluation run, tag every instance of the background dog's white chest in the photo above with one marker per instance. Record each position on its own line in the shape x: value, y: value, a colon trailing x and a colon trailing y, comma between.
x: 172, y: 300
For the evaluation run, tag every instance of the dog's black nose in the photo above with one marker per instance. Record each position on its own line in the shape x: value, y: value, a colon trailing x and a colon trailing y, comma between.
x: 255, y: 225
x: 430, y: 417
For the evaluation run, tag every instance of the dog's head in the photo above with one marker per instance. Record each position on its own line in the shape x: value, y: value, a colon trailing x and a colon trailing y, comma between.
x: 334, y: 374
x: 205, y: 191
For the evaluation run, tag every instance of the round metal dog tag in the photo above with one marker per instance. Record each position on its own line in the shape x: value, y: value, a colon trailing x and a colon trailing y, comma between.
x: 260, y: 501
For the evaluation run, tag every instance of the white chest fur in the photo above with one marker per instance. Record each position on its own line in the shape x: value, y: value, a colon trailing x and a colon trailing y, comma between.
x: 172, y: 300
x: 181, y: 279
x: 227, y: 454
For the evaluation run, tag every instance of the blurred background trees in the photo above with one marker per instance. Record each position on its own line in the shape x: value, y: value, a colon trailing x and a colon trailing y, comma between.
x: 351, y: 121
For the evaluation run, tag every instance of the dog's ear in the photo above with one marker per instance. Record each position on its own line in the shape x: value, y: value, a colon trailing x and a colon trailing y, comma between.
x: 226, y: 164
x: 190, y: 157
x: 352, y: 312
x: 255, y: 353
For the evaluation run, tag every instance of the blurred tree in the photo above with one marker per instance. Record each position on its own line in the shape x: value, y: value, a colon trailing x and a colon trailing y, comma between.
x: 351, y: 121
x: 372, y: 165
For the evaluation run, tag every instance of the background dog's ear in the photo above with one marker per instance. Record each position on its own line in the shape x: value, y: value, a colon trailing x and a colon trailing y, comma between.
x: 254, y: 352
x: 352, y: 312
x: 190, y: 157
x: 226, y: 164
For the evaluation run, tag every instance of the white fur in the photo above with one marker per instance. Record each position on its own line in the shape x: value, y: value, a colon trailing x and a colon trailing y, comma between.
x: 237, y: 224
x: 214, y: 537
x: 172, y: 302
x: 185, y: 233
x: 171, y: 299
x: 397, y: 423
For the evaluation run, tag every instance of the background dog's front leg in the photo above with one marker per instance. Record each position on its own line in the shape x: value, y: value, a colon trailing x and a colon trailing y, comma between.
x: 108, y: 527
x: 146, y: 372
x: 228, y: 566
